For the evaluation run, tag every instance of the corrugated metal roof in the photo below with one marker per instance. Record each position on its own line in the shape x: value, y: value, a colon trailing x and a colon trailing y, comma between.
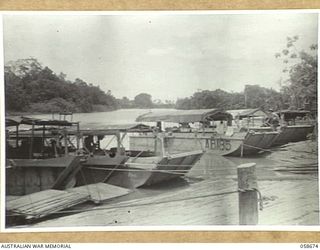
x: 185, y: 116
x: 14, y: 121
x: 115, y: 127
x: 242, y: 113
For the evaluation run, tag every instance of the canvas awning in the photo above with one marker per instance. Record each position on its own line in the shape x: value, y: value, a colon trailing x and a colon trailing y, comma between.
x: 112, y: 129
x: 14, y: 121
x: 243, y: 113
x: 185, y: 116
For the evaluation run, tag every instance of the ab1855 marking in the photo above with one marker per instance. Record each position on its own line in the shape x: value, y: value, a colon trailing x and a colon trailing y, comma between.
x: 218, y: 144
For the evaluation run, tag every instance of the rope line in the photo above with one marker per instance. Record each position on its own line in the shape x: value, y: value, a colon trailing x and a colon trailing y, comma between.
x: 112, y: 138
x: 260, y: 200
x: 137, y: 156
x: 262, y: 149
x: 148, y: 170
x: 112, y: 171
x: 160, y: 165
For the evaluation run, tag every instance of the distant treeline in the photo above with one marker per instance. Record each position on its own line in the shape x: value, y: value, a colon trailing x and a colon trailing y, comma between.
x: 30, y: 87
x: 253, y: 96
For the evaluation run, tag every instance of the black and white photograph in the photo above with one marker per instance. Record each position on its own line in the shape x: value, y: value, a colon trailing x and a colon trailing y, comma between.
x: 160, y: 119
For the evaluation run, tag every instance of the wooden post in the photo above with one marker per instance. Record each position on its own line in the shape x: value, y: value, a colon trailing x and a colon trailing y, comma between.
x: 248, y: 197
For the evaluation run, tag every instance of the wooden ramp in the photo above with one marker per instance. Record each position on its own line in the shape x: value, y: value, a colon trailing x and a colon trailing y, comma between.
x: 100, y: 192
x: 67, y: 174
x: 43, y: 203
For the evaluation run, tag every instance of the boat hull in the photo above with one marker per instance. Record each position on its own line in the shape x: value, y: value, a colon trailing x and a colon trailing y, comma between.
x: 255, y: 143
x: 293, y: 134
x: 26, y: 176
x: 184, y: 142
x: 148, y: 171
x: 239, y: 144
x: 102, y: 168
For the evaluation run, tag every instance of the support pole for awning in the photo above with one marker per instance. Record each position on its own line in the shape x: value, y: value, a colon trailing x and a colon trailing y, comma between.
x: 118, y: 142
x: 31, y: 142
x: 78, y: 136
x: 43, y: 139
x: 17, y: 136
x: 65, y: 142
x: 159, y: 126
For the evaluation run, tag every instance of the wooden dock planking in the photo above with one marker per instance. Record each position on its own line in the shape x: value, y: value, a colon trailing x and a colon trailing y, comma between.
x: 218, y: 210
x: 43, y: 203
x: 35, y: 197
x: 286, y: 202
x: 47, y: 204
x: 100, y: 192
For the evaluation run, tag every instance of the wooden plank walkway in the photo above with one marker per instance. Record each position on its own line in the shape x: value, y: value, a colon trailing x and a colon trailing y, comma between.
x: 285, y: 203
x: 43, y: 203
x: 100, y: 192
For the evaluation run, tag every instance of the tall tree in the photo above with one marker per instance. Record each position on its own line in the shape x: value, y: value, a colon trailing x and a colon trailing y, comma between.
x: 143, y: 100
x: 300, y: 72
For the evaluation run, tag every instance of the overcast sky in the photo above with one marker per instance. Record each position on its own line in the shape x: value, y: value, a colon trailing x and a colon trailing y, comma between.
x: 167, y: 56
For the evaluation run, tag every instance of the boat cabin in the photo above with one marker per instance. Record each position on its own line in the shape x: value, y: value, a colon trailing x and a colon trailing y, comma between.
x: 197, y: 120
x: 295, y: 117
x: 97, y: 139
x: 248, y: 117
x: 38, y: 139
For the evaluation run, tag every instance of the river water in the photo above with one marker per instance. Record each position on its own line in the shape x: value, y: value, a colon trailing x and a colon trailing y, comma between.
x: 289, y: 197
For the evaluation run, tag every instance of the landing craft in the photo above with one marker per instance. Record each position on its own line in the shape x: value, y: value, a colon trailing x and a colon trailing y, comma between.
x: 294, y: 126
x: 208, y: 129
